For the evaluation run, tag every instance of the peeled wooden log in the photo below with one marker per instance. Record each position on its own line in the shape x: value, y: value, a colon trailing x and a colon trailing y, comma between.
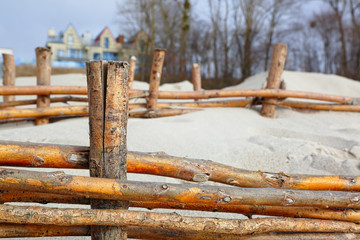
x: 341, y: 214
x: 20, y: 154
x: 132, y: 68
x: 113, y: 189
x: 274, y: 78
x: 155, y: 77
x: 9, y: 73
x: 42, y: 112
x: 156, y: 113
x: 272, y: 93
x: 108, y: 115
x: 210, y: 104
x: 318, y: 106
x: 56, y: 90
x: 172, y: 221
x: 31, y: 230
x: 52, y: 100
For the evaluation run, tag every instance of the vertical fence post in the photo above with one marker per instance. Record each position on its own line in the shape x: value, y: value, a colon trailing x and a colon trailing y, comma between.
x: 108, y: 114
x: 132, y: 71
x: 9, y: 73
x: 155, y: 77
x: 274, y: 78
x: 43, y: 73
x: 196, y: 76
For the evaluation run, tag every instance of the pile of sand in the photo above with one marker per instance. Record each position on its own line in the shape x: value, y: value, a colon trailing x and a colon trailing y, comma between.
x: 292, y: 142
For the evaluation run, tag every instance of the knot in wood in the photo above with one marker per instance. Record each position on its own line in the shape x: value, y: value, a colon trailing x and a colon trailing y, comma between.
x: 164, y: 186
x: 227, y: 199
x: 289, y: 201
x: 276, y: 180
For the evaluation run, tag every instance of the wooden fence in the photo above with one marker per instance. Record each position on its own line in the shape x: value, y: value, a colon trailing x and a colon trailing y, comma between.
x: 306, y: 206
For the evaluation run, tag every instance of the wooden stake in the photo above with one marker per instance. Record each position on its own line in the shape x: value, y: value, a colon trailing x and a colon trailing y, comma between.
x: 9, y: 73
x: 155, y: 77
x: 196, y: 76
x: 43, y: 70
x: 132, y: 71
x: 108, y: 111
x: 274, y: 78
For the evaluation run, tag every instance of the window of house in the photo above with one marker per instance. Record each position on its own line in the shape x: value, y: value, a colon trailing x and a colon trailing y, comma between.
x: 106, y: 44
x: 60, y: 53
x: 70, y: 39
x: 96, y: 56
x: 111, y: 56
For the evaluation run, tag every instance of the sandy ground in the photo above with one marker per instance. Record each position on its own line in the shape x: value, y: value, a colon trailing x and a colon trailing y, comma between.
x: 300, y: 142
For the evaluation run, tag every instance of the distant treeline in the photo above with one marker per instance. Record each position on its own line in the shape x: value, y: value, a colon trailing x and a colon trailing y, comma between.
x: 232, y: 39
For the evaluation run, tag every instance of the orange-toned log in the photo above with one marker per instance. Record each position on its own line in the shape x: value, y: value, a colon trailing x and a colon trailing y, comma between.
x: 210, y: 104
x: 341, y: 214
x: 56, y: 90
x: 31, y: 230
x: 43, y: 112
x: 172, y: 221
x: 274, y: 78
x: 132, y: 68
x: 318, y: 106
x: 270, y: 93
x: 9, y: 73
x: 156, y: 113
x: 113, y: 189
x: 52, y: 100
x: 155, y: 77
x: 20, y: 154
x: 43, y: 74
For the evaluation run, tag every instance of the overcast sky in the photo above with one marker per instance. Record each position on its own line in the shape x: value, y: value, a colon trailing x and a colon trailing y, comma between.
x: 24, y: 23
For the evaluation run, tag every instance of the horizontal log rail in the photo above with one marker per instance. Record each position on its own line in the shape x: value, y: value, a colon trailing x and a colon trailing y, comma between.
x: 20, y: 154
x: 65, y: 99
x: 112, y: 189
x: 341, y: 214
x: 274, y: 93
x: 32, y: 230
x: 172, y: 221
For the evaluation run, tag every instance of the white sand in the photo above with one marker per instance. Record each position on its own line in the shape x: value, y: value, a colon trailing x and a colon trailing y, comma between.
x: 293, y: 142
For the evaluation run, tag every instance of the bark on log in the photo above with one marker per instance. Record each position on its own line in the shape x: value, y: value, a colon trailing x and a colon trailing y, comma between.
x: 108, y: 94
x: 43, y: 112
x: 155, y: 77
x: 132, y: 68
x: 114, y: 189
x: 65, y: 99
x: 267, y: 93
x: 9, y: 74
x: 21, y: 154
x: 43, y: 72
x: 341, y: 214
x: 196, y: 77
x: 173, y: 221
x: 156, y: 113
x: 31, y: 230
x: 274, y: 78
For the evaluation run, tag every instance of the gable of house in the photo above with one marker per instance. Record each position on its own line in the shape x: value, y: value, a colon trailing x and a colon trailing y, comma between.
x: 106, y: 40
x: 71, y: 38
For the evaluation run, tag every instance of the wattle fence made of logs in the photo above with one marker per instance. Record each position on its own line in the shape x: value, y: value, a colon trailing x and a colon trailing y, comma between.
x: 300, y: 206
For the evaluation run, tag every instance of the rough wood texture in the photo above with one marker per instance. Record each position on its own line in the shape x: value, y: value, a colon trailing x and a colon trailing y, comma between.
x: 172, y: 221
x: 196, y: 76
x: 65, y: 99
x: 9, y: 74
x: 274, y: 78
x: 43, y: 112
x: 108, y: 112
x: 31, y: 230
x: 155, y: 77
x: 132, y: 68
x: 156, y: 113
x: 21, y: 154
x: 120, y: 190
x: 43, y: 72
x: 341, y: 214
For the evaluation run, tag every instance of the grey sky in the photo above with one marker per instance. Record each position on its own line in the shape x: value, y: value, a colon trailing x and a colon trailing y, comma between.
x: 24, y: 23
